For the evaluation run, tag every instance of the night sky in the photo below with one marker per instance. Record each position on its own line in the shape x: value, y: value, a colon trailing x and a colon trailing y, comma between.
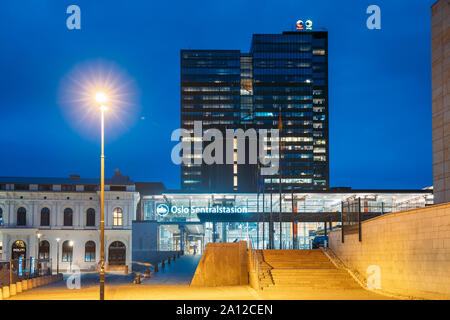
x: 379, y: 83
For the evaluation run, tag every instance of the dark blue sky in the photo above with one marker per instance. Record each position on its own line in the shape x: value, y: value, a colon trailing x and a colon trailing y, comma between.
x: 379, y: 83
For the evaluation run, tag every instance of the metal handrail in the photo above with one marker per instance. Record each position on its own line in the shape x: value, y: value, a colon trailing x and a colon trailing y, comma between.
x: 256, y: 263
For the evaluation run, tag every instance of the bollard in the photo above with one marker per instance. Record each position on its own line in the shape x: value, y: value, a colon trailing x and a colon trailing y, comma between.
x: 174, y: 256
x: 125, y: 269
x: 147, y: 273
x: 33, y: 282
x: 19, y: 286
x: 168, y: 261
x: 12, y: 289
x: 162, y: 264
x: 138, y: 278
x: 24, y: 285
x: 5, y: 292
x: 38, y: 282
x: 156, y: 268
x: 1, y: 294
x: 30, y: 284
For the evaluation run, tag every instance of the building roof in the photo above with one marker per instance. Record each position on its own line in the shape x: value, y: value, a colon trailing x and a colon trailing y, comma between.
x: 116, y: 179
x: 150, y: 188
x: 329, y: 191
x: 48, y: 180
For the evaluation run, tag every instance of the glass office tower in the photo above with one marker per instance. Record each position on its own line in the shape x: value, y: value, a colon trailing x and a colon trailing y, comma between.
x: 290, y: 76
x: 210, y: 93
x: 283, y: 74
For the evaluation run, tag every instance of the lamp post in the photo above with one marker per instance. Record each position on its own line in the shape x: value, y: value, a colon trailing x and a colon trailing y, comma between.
x: 37, y: 255
x: 101, y: 99
x: 38, y: 244
x: 57, y: 255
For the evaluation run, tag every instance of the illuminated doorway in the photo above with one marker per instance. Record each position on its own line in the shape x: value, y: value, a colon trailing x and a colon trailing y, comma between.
x: 117, y: 254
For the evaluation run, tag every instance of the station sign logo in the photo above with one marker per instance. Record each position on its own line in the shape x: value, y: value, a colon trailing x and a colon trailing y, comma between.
x: 304, y: 25
x: 162, y: 209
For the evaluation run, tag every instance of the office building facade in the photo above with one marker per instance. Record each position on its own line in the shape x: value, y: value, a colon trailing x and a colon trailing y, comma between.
x: 281, y: 84
x: 440, y: 52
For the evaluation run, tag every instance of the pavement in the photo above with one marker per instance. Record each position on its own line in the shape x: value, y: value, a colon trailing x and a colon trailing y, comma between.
x: 172, y: 283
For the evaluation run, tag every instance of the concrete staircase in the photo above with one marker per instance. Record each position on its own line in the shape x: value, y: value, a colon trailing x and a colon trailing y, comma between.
x: 302, y: 269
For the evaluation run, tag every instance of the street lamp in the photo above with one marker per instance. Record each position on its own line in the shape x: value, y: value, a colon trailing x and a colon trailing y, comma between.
x: 38, y: 243
x: 38, y: 246
x: 57, y: 255
x: 101, y: 99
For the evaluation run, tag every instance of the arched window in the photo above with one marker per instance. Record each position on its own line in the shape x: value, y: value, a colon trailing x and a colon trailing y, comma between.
x: 117, y: 253
x: 1, y: 216
x: 68, y: 217
x: 67, y: 251
x: 21, y: 217
x: 89, y: 249
x: 45, y: 217
x: 19, y: 250
x: 90, y: 217
x: 44, y: 249
x: 117, y: 216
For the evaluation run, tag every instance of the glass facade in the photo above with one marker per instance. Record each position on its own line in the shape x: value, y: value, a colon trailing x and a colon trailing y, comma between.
x: 210, y: 93
x: 290, y: 75
x: 194, y: 219
x: 284, y: 76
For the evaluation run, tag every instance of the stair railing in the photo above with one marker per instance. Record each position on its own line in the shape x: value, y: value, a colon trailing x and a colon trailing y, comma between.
x: 256, y: 263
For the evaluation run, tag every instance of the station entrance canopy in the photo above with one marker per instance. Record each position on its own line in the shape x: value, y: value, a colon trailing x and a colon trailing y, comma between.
x: 311, y: 206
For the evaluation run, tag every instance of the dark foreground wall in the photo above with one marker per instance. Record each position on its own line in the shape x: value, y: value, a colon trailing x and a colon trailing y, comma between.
x: 222, y: 264
x: 145, y: 246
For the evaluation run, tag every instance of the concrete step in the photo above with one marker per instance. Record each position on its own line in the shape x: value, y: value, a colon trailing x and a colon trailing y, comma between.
x: 303, y: 269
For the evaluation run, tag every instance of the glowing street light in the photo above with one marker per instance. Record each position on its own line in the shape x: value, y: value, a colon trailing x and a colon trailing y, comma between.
x: 101, y: 99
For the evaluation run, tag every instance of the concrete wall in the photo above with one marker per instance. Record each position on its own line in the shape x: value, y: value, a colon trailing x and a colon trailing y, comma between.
x: 145, y: 236
x: 145, y: 245
x: 440, y: 64
x: 222, y: 264
x: 411, y: 248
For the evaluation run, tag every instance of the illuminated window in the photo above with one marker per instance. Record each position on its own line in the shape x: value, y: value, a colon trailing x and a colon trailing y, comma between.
x: 235, y: 182
x: 117, y: 216
x: 320, y: 158
x: 235, y: 169
x: 89, y: 251
x: 44, y: 249
x: 235, y: 156
x: 320, y: 52
x: 67, y: 251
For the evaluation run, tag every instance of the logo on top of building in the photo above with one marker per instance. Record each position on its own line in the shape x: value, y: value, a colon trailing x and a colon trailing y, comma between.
x: 304, y: 25
x: 162, y: 209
